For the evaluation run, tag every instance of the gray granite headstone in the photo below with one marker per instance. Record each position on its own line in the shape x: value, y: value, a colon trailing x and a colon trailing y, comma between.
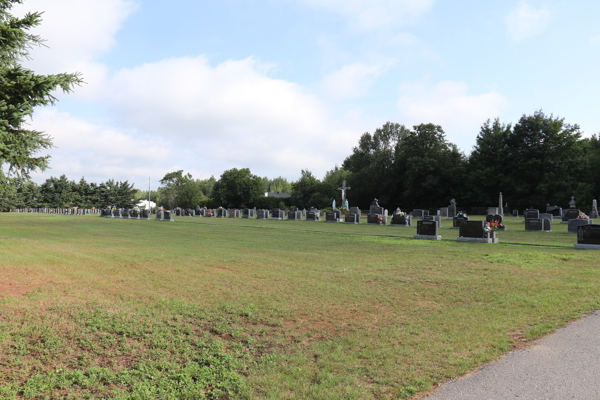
x: 575, y: 223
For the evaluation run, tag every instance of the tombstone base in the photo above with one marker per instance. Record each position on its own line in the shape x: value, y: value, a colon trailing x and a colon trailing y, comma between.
x: 168, y: 220
x: 351, y: 222
x: 313, y: 219
x: 564, y: 222
x: 279, y: 219
x: 427, y: 237
x: 587, y: 246
x: 336, y: 220
x: 533, y: 230
x: 503, y: 229
x: 477, y: 240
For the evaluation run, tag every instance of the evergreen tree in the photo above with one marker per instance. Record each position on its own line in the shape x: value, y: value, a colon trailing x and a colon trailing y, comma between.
x: 21, y: 90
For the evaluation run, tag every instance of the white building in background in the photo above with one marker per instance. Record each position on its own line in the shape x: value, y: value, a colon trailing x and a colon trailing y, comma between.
x: 145, y: 204
x: 279, y: 195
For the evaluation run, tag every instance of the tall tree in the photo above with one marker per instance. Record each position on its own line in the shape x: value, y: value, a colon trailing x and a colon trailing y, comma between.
x: 173, y: 185
x: 429, y: 170
x: 371, y: 165
x: 541, y: 160
x: 238, y: 188
x: 21, y: 90
x: 305, y: 192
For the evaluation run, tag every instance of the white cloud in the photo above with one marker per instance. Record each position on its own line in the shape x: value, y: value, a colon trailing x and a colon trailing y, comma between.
x: 351, y: 81
x: 525, y: 21
x: 233, y: 114
x: 184, y: 113
x: 376, y: 14
x: 76, y: 33
x: 450, y: 105
x: 99, y: 152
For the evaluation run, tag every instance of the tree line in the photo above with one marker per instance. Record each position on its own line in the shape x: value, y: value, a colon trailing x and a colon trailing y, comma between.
x: 540, y: 160
x: 64, y: 193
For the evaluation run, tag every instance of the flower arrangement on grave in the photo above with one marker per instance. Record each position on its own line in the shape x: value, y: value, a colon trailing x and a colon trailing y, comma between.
x: 401, y: 214
x: 583, y: 215
x: 491, y: 226
x: 462, y: 214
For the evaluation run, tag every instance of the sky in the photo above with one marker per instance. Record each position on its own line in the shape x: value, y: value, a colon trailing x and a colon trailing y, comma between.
x: 279, y: 86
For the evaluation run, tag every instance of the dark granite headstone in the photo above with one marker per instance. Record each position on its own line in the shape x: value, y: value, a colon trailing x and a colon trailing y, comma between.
x: 332, y: 216
x: 375, y: 219
x: 588, y: 234
x: 534, y: 224
x: 313, y: 215
x: 403, y: 220
x: 276, y: 213
x: 352, y: 218
x: 427, y: 228
x: 456, y: 221
x: 570, y: 214
x: 531, y: 213
x: 295, y: 215
x: 420, y: 213
x: 472, y: 229
x: 556, y: 211
x: 262, y: 214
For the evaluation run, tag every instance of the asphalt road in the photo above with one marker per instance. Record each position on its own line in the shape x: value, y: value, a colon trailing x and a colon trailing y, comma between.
x: 564, y: 365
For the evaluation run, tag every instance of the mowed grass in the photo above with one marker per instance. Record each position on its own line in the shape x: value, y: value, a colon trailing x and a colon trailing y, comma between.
x: 226, y: 309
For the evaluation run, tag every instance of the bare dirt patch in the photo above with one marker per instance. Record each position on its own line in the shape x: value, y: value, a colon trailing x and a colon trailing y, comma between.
x: 16, y: 281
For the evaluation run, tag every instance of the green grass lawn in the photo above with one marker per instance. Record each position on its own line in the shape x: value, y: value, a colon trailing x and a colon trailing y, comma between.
x: 224, y: 309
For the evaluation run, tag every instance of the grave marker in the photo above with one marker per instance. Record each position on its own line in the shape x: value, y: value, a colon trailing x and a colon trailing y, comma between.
x: 427, y: 230
x: 588, y: 237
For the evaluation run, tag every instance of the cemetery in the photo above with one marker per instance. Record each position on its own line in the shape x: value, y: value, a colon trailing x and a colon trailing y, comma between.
x: 267, y: 287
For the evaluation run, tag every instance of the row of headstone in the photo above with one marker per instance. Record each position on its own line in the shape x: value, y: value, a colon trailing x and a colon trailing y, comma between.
x: 61, y: 211
x: 469, y: 231
x: 125, y: 213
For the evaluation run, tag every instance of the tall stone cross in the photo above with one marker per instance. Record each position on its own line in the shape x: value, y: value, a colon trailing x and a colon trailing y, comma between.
x: 343, y: 189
